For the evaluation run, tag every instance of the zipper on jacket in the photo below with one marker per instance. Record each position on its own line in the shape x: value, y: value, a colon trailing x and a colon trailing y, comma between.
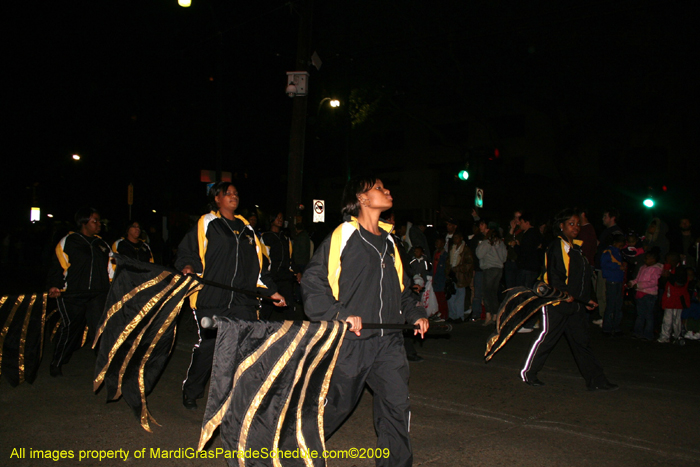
x: 238, y: 244
x: 381, y: 279
x: 92, y: 259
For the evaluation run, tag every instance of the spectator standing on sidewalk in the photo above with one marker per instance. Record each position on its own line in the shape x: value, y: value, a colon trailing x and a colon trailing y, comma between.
x: 529, y: 263
x: 527, y: 249
x: 477, y: 283
x: 613, y: 268
x: 605, y: 240
x: 686, y: 243
x: 588, y: 237
x: 674, y: 299
x: 655, y: 236
x: 647, y: 285
x: 460, y: 264
x: 511, y: 239
x: 492, y: 255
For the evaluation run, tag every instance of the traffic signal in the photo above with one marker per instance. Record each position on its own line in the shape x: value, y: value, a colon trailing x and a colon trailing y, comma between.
x: 463, y: 174
x: 648, y: 202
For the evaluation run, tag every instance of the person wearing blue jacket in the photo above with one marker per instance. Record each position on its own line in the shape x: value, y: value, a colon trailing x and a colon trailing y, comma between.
x: 613, y: 268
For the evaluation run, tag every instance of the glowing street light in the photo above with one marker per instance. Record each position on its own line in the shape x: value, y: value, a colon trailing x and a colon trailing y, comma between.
x: 184, y: 3
x: 76, y: 157
x: 331, y: 101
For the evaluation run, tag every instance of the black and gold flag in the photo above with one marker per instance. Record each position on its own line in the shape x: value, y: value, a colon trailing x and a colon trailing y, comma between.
x: 138, y: 329
x: 518, y: 306
x: 268, y: 389
x: 23, y: 320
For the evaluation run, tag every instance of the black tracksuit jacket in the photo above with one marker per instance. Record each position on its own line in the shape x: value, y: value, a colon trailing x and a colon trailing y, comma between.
x: 280, y: 252
x: 81, y: 264
x: 139, y: 251
x: 227, y: 252
x: 345, y: 277
x: 569, y: 271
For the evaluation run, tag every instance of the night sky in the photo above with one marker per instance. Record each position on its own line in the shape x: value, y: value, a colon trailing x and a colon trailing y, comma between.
x: 128, y: 86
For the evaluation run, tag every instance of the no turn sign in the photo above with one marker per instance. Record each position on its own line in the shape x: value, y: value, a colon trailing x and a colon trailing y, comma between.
x: 319, y: 210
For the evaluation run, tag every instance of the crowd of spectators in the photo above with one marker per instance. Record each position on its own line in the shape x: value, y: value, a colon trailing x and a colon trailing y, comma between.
x: 645, y: 281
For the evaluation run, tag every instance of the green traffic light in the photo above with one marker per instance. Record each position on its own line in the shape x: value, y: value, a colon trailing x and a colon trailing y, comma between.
x: 463, y: 175
x: 648, y: 203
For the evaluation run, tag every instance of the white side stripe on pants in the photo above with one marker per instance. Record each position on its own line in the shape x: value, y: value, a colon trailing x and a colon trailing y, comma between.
x: 536, y: 345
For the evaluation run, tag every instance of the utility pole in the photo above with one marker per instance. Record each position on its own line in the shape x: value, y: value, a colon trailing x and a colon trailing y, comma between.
x: 297, y: 135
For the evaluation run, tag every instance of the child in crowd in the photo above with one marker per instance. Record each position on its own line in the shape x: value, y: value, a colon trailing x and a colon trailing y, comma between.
x: 614, y: 274
x: 633, y: 253
x: 647, y: 285
x: 674, y: 299
x: 419, y: 266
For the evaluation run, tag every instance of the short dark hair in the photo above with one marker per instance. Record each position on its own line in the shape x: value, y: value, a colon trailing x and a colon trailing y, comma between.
x: 129, y: 225
x: 619, y: 238
x: 215, y: 190
x: 612, y: 212
x: 654, y: 253
x: 563, y: 216
x: 353, y: 189
x: 527, y: 216
x: 83, y: 215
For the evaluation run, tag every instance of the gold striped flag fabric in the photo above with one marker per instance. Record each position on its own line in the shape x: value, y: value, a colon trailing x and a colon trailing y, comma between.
x: 23, y: 320
x: 268, y: 390
x: 138, y: 329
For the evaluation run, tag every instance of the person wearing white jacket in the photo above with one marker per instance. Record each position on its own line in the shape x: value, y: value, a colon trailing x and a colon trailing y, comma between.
x: 492, y: 253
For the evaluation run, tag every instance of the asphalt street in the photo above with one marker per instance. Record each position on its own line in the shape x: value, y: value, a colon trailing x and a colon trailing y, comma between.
x: 464, y: 412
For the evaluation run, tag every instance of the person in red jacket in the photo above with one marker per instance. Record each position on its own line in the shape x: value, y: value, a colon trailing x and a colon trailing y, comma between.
x: 674, y: 299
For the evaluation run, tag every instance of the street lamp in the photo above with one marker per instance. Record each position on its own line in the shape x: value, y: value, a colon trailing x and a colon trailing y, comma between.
x: 76, y: 157
x: 184, y: 3
x: 333, y: 103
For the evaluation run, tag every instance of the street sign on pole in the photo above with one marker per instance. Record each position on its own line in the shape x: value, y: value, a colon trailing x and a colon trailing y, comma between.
x: 319, y: 210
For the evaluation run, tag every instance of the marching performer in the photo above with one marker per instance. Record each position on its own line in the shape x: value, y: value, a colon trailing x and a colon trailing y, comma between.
x: 567, y: 270
x: 356, y: 275
x: 132, y: 246
x: 279, y: 250
x: 78, y: 279
x: 223, y: 248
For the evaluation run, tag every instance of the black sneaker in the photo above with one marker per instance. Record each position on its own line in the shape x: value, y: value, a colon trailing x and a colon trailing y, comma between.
x: 55, y: 370
x: 606, y: 386
x: 414, y: 358
x: 190, y: 404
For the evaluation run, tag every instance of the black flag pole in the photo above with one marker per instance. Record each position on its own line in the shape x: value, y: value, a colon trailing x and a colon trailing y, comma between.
x: 234, y: 289
x: 208, y: 323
